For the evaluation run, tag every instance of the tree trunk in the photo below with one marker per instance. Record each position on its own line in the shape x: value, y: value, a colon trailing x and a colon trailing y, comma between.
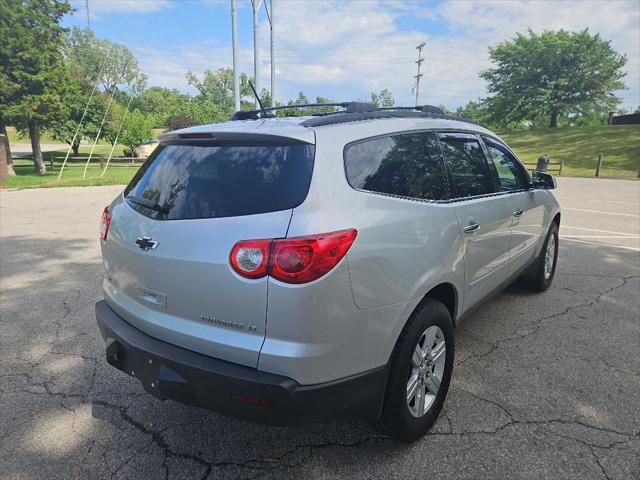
x: 6, y: 162
x: 76, y: 148
x: 553, y: 123
x: 34, y: 134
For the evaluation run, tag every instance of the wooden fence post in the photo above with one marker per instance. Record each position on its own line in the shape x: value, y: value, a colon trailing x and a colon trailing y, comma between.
x: 561, y: 167
x: 599, y: 165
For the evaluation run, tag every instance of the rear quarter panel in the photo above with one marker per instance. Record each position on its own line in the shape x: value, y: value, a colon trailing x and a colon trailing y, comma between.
x: 348, y: 322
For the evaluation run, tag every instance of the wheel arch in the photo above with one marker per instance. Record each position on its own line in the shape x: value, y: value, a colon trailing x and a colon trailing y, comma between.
x: 447, y: 294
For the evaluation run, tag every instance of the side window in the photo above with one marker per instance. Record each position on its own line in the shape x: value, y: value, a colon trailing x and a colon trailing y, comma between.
x: 468, y: 164
x: 509, y: 172
x: 408, y: 165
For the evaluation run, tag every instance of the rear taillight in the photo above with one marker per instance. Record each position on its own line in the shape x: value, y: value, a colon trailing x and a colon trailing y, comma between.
x: 304, y: 259
x: 250, y: 258
x: 292, y: 260
x: 105, y: 222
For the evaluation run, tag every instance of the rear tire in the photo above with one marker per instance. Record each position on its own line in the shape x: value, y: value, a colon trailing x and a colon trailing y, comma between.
x: 422, y: 362
x: 544, y: 268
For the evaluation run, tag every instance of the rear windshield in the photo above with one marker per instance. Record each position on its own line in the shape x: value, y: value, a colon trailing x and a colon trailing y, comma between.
x: 182, y: 181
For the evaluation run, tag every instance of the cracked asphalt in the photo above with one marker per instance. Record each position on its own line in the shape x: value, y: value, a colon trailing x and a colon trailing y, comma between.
x: 544, y: 386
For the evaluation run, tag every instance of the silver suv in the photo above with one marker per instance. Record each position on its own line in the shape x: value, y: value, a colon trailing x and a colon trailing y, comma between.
x: 281, y: 269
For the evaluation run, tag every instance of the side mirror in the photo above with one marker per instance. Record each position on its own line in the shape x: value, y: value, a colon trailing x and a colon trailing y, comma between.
x: 543, y: 180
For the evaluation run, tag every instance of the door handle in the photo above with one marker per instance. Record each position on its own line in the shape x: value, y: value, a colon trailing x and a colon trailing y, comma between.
x: 518, y: 212
x: 471, y: 227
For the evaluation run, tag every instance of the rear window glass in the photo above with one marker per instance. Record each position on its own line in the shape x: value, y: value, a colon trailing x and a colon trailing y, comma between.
x: 182, y: 181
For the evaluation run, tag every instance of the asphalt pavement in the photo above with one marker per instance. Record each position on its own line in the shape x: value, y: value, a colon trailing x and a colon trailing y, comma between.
x: 544, y: 386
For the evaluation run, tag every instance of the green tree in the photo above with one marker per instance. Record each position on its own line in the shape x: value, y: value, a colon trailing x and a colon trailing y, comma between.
x: 195, y: 111
x: 161, y: 103
x: 552, y: 74
x: 218, y: 86
x: 136, y: 130
x: 322, y: 109
x: 100, y: 60
x: 478, y: 111
x: 295, y: 112
x: 8, y: 90
x: 82, y: 113
x: 265, y: 97
x: 383, y: 99
x: 34, y: 77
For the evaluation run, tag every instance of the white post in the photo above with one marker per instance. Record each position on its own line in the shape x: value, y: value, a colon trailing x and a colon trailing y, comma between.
x: 256, y: 56
x: 273, y: 60
x: 236, y: 73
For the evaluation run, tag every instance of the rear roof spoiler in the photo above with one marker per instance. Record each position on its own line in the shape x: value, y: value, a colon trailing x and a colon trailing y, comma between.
x: 242, y: 138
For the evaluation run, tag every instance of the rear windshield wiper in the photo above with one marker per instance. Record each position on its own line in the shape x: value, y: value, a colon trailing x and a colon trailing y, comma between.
x: 147, y: 203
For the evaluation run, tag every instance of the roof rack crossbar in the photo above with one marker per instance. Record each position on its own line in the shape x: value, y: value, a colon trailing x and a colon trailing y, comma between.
x: 350, y: 107
x: 307, y: 105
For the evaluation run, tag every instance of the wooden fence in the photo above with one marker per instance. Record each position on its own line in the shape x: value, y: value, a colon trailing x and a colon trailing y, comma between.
x: 74, y: 162
x: 551, y: 167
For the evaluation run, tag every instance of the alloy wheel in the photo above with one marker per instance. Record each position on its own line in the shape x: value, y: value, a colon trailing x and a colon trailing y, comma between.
x: 427, y: 370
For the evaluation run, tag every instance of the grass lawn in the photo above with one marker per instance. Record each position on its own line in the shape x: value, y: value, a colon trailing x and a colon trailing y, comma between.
x: 116, y: 174
x: 578, y: 147
x: 15, y: 137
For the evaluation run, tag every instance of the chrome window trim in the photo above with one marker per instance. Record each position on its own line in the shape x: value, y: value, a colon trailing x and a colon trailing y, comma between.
x: 450, y: 187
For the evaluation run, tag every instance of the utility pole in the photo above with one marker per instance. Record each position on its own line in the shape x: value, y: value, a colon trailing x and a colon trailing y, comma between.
x: 234, y: 38
x: 86, y: 4
x: 256, y: 57
x: 418, y: 76
x: 273, y: 53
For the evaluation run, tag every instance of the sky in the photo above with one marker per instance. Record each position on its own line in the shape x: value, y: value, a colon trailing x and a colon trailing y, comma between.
x: 344, y: 50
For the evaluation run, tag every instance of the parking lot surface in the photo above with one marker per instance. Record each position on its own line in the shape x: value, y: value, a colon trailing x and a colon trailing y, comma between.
x: 544, y: 386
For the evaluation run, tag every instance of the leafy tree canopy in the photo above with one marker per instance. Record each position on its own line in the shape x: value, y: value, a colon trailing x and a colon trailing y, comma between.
x: 112, y: 64
x: 218, y: 86
x: 136, y: 130
x: 552, y: 74
x: 83, y: 118
x: 383, y: 99
x: 33, y: 77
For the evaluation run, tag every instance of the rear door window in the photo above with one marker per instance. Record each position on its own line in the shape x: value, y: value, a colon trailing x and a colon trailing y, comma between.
x: 468, y: 164
x: 406, y: 165
x: 187, y: 181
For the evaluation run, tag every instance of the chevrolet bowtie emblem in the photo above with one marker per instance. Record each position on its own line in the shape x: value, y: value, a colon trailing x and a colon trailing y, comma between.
x: 145, y: 243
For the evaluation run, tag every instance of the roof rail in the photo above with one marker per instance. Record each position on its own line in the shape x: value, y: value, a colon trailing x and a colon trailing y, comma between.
x: 394, y: 112
x: 353, y: 112
x: 350, y: 107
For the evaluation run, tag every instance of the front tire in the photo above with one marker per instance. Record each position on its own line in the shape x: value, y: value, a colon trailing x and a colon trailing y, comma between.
x: 420, y: 373
x: 544, y: 268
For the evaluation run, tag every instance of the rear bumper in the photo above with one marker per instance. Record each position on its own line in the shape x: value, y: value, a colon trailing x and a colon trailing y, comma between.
x: 170, y: 372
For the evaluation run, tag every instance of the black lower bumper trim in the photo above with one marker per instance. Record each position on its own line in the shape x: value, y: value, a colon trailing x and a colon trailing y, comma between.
x: 170, y: 372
